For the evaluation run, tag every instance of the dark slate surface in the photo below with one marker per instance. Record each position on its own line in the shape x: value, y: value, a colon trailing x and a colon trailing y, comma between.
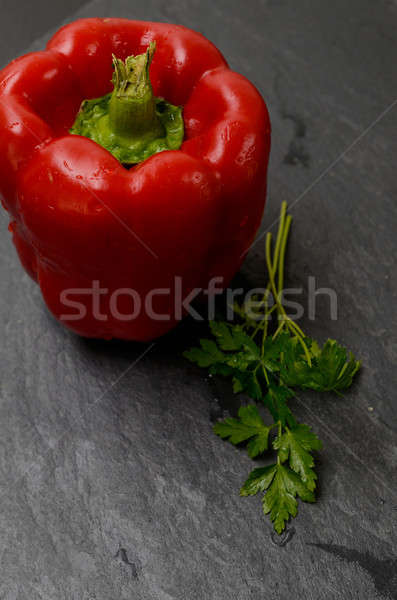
x: 112, y: 485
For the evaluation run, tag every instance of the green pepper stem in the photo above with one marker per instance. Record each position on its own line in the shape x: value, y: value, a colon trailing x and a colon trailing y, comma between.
x: 132, y: 106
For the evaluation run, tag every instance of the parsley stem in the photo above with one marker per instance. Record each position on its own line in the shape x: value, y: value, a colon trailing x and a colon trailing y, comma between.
x: 264, y: 335
x: 268, y: 312
x: 279, y: 431
x: 298, y: 330
x: 276, y: 296
x: 272, y: 309
x: 280, y: 235
x: 266, y: 376
x: 283, y: 247
x: 274, y: 264
x: 278, y: 330
x: 290, y: 323
x: 302, y: 343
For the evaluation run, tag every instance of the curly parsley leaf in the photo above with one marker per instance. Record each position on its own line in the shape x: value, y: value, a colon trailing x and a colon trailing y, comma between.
x: 295, y: 446
x: 249, y: 426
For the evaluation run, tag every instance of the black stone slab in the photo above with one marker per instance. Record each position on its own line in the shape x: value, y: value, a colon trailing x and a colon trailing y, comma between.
x: 112, y: 485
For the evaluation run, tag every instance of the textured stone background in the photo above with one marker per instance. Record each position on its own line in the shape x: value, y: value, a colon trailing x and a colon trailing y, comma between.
x: 112, y: 485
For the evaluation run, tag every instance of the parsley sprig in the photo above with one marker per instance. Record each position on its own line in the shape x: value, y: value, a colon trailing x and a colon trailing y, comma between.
x: 268, y: 356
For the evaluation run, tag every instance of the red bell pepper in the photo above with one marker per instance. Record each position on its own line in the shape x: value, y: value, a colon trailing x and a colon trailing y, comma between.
x: 81, y: 220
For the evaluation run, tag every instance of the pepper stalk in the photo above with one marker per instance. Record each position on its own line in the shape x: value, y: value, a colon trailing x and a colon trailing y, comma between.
x: 131, y: 122
x: 132, y: 106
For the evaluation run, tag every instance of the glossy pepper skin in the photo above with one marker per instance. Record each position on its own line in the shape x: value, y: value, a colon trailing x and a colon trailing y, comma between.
x: 79, y: 218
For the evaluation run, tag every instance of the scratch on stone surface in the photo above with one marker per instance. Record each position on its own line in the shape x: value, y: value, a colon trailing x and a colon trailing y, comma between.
x: 297, y: 152
x: 123, y: 556
x: 382, y: 572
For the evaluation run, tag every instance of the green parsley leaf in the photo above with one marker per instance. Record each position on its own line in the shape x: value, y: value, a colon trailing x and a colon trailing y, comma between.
x: 247, y: 381
x: 332, y: 369
x: 242, y: 360
x: 258, y: 480
x: 296, y: 445
x: 276, y: 402
x: 293, y: 363
x: 282, y: 485
x: 280, y: 500
x: 206, y: 356
x: 226, y: 335
x: 250, y: 426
